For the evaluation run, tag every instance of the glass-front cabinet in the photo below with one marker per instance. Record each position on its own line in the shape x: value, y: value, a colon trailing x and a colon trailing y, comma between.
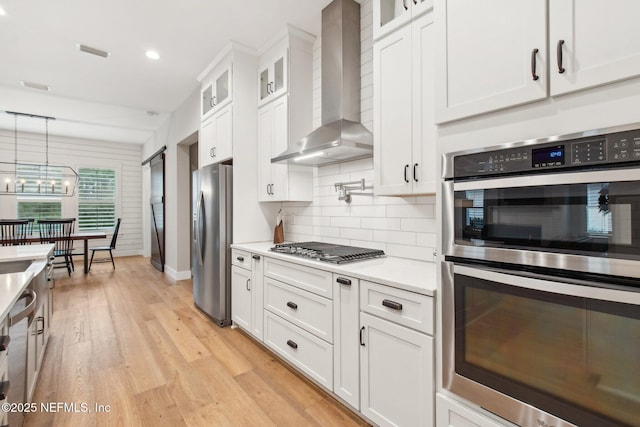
x: 389, y: 15
x: 272, y: 78
x: 217, y: 92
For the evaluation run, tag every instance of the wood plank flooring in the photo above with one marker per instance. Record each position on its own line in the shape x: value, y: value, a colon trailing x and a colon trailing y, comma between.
x: 132, y: 339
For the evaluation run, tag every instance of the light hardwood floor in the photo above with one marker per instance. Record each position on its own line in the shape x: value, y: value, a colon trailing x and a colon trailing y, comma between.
x: 132, y: 339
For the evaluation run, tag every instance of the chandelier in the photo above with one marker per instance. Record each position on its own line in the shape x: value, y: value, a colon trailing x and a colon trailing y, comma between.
x: 36, y: 179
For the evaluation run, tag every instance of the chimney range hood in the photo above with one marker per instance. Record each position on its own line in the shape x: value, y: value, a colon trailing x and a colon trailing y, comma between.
x: 341, y: 136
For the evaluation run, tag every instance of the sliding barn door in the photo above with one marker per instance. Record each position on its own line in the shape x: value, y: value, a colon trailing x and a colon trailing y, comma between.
x: 157, y: 211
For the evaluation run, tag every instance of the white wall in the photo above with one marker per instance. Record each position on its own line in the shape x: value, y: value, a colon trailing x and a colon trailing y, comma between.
x: 124, y: 158
x: 401, y: 226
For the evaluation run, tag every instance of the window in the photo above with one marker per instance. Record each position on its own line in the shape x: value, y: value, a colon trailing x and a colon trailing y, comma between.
x: 96, y: 198
x: 39, y: 209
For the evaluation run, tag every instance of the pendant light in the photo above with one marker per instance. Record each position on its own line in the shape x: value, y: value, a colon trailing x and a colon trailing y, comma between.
x: 36, y: 179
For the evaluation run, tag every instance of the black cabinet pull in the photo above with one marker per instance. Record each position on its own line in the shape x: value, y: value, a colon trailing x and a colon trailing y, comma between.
x: 343, y: 281
x: 415, y: 175
x: 292, y: 305
x: 559, y: 56
x: 292, y: 344
x: 4, y: 389
x: 392, y: 304
x: 40, y: 331
x: 533, y: 64
x: 404, y: 3
x: 256, y: 257
x: 361, y: 336
x: 4, y: 343
x: 406, y: 167
x: 240, y: 258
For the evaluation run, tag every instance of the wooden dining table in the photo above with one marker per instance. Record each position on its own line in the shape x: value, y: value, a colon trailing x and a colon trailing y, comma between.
x: 85, y: 236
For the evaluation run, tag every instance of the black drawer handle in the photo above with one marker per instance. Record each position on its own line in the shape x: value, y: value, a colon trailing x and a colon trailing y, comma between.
x: 4, y: 389
x: 256, y: 257
x: 561, y: 69
x: 392, y: 304
x: 292, y: 305
x: 292, y: 344
x: 534, y: 76
x: 361, y: 338
x: 4, y: 342
x: 240, y: 258
x: 343, y: 281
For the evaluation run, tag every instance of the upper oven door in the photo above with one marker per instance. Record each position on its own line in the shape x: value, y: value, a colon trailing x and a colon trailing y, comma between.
x: 582, y: 221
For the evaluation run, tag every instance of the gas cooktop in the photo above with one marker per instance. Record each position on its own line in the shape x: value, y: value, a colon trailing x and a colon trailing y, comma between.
x: 328, y: 252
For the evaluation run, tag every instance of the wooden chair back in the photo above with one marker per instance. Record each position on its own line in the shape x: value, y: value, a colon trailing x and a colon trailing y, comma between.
x: 14, y: 231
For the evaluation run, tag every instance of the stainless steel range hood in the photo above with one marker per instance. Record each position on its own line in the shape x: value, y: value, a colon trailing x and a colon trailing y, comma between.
x: 341, y: 136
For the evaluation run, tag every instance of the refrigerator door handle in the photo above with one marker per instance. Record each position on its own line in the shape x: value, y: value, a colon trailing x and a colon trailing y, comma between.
x: 200, y: 237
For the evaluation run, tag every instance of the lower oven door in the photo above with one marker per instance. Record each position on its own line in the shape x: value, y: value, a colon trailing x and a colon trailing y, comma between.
x: 539, y: 350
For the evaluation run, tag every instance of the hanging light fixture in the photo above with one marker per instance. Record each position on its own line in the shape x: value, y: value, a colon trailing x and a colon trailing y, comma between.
x: 36, y: 179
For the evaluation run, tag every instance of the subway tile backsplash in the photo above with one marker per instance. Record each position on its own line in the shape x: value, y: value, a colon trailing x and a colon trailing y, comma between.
x: 401, y: 226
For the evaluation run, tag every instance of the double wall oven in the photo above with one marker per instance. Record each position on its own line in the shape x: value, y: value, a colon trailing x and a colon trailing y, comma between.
x: 541, y: 279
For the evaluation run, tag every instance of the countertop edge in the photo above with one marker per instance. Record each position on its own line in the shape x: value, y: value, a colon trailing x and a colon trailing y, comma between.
x: 6, y: 304
x: 425, y: 283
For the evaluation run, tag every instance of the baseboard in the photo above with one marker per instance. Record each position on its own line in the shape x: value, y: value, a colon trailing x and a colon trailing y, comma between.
x: 177, y: 275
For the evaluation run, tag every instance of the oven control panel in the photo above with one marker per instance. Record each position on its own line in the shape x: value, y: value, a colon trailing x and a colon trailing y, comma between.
x: 612, y: 148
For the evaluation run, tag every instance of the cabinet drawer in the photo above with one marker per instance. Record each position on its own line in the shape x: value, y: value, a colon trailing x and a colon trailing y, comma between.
x: 400, y: 306
x: 310, y: 279
x: 309, y: 311
x: 303, y: 350
x: 241, y: 258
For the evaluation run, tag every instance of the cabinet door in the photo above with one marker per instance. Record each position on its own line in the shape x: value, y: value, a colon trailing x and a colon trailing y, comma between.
x: 392, y: 113
x: 207, y: 99
x: 206, y: 142
x: 241, y: 297
x: 396, y: 364
x: 222, y: 84
x: 589, y: 56
x: 485, y: 54
x: 265, y: 142
x: 257, y: 298
x: 273, y: 77
x: 279, y: 143
x: 223, y: 147
x: 424, y: 173
x: 346, y: 353
x: 389, y: 15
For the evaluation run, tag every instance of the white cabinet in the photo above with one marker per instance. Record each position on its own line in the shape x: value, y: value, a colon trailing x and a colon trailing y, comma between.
x: 272, y: 76
x: 389, y: 15
x: 404, y: 122
x: 247, y: 292
x: 216, y: 90
x: 216, y: 138
x: 494, y: 55
x: 450, y: 413
x: 284, y: 115
x: 592, y: 57
x: 346, y: 354
x: 396, y: 361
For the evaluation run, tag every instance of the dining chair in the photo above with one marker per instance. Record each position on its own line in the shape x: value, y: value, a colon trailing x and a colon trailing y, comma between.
x: 58, y: 231
x: 13, y: 231
x: 109, y: 248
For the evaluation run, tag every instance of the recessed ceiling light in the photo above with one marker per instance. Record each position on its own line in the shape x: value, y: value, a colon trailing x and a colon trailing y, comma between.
x: 152, y: 54
x: 33, y: 85
x: 92, y: 50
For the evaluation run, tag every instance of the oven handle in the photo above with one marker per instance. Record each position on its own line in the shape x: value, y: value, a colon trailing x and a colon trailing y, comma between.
x: 30, y: 308
x: 591, y: 290
x: 609, y: 175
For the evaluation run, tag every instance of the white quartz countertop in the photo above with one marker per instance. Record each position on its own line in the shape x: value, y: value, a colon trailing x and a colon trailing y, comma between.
x: 407, y: 274
x: 25, y: 252
x: 11, y: 287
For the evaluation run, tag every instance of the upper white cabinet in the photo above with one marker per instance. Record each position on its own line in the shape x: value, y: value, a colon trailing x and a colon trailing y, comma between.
x: 582, y: 56
x: 216, y: 90
x: 403, y: 102
x: 490, y: 55
x: 389, y: 15
x: 216, y: 138
x: 272, y: 76
x: 284, y: 115
x: 495, y: 54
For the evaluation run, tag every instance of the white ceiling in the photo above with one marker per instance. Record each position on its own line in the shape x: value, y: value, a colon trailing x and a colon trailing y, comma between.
x: 108, y: 99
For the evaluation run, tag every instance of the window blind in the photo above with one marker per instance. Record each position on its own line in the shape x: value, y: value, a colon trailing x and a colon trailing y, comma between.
x: 96, y: 198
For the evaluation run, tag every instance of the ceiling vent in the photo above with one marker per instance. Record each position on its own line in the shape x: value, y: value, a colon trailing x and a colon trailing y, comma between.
x: 33, y: 85
x: 93, y: 51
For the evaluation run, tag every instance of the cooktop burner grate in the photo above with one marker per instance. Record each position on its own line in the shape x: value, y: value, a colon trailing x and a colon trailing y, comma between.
x: 328, y: 252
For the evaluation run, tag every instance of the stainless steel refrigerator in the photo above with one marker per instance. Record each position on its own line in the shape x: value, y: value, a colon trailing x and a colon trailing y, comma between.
x: 211, y: 259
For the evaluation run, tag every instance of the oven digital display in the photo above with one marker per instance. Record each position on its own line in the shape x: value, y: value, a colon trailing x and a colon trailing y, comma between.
x: 547, y: 156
